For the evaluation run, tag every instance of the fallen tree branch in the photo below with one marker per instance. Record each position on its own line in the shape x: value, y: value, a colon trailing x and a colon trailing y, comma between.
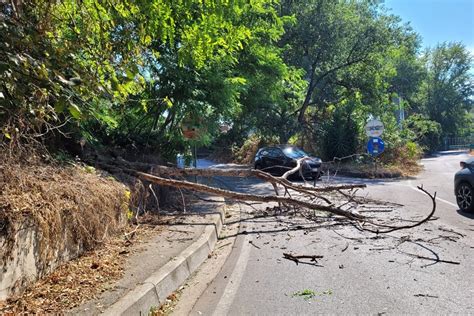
x: 297, y: 168
x: 245, y: 173
x: 285, y: 200
x: 246, y: 196
x: 296, y: 258
x: 432, y: 259
x: 394, y: 228
x: 121, y: 165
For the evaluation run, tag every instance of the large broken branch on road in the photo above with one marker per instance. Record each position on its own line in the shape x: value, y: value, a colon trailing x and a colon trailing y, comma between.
x: 289, y: 201
x: 248, y: 197
x: 246, y: 173
x: 309, y: 198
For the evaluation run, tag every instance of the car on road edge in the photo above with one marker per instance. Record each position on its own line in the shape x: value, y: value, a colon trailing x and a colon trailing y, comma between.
x: 278, y: 159
x: 464, y: 186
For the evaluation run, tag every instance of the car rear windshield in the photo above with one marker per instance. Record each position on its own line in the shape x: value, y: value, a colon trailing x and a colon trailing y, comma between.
x: 294, y: 152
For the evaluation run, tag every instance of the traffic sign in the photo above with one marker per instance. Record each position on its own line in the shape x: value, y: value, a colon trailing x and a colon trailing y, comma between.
x: 374, y: 128
x: 375, y: 146
x: 193, y: 128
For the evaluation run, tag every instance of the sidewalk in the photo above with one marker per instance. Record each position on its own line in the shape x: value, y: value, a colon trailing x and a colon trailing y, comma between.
x: 151, y: 275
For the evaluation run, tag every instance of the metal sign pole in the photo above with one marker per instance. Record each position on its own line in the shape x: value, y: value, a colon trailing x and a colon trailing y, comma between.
x: 195, y: 155
x: 375, y: 165
x: 195, y: 160
x: 375, y: 147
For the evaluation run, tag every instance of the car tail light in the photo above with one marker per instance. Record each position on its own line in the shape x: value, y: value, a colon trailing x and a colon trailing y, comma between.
x: 462, y: 164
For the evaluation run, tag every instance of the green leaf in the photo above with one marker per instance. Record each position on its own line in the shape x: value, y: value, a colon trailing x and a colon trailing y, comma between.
x: 130, y: 74
x: 60, y: 105
x: 4, y: 67
x: 75, y: 111
x: 115, y: 84
x: 144, y: 105
x: 168, y: 102
x: 147, y: 40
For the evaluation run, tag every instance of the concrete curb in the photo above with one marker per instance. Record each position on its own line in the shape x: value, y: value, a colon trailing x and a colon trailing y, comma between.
x: 154, y: 290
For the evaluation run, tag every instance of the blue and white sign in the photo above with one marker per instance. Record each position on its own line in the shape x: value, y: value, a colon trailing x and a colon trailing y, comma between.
x: 375, y: 146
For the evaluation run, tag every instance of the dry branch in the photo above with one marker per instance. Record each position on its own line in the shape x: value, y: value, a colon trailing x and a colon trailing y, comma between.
x: 432, y: 259
x: 296, y: 169
x: 307, y: 202
x: 245, y: 173
x: 121, y: 165
x: 247, y: 197
x: 297, y: 258
x: 394, y: 228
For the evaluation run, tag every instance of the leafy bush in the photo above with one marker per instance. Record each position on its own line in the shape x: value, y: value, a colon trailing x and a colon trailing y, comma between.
x: 339, y: 136
x: 405, y: 156
x: 425, y: 132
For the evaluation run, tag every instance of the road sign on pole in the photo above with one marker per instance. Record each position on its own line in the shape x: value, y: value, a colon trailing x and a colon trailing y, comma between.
x: 375, y: 146
x: 374, y: 128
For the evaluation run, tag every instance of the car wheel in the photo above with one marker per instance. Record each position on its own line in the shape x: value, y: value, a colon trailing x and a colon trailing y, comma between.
x: 464, y: 197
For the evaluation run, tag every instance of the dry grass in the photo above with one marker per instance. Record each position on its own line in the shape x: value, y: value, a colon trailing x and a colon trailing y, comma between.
x: 79, y: 280
x: 70, y: 207
x: 402, y: 161
x: 381, y: 171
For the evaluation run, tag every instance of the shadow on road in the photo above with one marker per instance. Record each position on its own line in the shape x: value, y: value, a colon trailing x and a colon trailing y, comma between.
x: 466, y: 214
x: 349, y: 180
x: 447, y: 153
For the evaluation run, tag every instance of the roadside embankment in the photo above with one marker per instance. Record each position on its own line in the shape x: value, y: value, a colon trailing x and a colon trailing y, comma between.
x: 50, y: 214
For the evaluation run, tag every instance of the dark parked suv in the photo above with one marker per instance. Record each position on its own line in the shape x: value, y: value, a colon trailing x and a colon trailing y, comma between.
x: 464, y: 186
x: 276, y: 160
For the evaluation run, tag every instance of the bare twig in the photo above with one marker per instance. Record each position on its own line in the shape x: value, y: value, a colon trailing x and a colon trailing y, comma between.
x: 451, y: 231
x: 156, y: 198
x: 432, y: 259
x: 182, y: 199
x: 252, y: 243
x: 345, y: 247
x: 394, y: 228
x: 425, y: 295
x: 296, y: 258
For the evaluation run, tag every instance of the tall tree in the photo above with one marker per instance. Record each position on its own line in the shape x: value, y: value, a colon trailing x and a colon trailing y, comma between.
x: 329, y: 38
x: 240, y: 87
x: 447, y: 94
x: 272, y: 89
x: 82, y: 60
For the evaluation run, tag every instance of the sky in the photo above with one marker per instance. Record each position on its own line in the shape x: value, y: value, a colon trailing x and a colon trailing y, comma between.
x: 438, y: 20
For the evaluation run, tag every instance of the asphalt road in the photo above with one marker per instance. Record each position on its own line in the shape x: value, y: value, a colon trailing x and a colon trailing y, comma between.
x: 360, y: 272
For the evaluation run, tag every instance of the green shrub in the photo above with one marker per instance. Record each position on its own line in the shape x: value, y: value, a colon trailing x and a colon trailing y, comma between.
x: 425, y: 132
x: 338, y: 137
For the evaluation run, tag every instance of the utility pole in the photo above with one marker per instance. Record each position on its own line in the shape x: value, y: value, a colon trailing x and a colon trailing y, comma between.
x: 400, y: 112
